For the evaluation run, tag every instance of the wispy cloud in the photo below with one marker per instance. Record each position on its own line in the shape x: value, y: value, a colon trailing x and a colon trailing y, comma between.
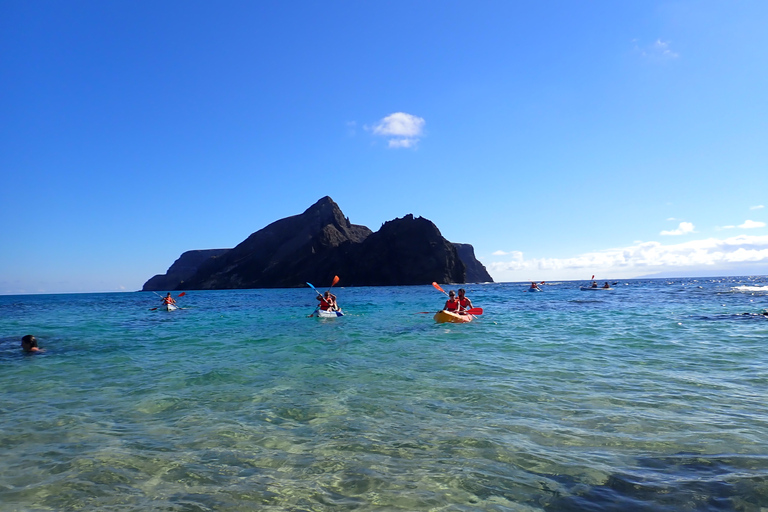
x: 662, y: 48
x: 403, y: 129
x: 402, y: 143
x: 642, y: 258
x: 748, y: 224
x: 659, y: 49
x: 682, y: 229
x: 517, y: 255
x: 758, y: 207
x: 752, y: 224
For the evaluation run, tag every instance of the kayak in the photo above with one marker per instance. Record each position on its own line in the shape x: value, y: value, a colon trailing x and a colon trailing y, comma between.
x: 590, y: 289
x: 168, y: 307
x: 321, y: 313
x: 534, y: 290
x: 444, y: 316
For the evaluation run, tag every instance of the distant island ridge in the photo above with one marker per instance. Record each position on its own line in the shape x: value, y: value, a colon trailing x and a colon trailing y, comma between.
x: 321, y: 243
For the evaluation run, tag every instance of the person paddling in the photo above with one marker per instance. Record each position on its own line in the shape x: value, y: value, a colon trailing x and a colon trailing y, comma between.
x: 328, y: 302
x: 452, y: 304
x: 464, y: 302
x: 534, y: 286
x: 169, y: 300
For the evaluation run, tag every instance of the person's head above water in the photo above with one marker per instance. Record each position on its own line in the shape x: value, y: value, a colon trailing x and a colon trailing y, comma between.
x: 29, y: 343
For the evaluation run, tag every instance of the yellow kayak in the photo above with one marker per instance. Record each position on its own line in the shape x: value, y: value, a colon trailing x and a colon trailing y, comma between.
x: 444, y: 316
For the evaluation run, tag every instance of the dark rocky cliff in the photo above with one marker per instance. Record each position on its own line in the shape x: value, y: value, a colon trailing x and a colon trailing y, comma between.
x: 403, y: 252
x: 320, y: 243
x: 476, y: 272
x: 182, y: 269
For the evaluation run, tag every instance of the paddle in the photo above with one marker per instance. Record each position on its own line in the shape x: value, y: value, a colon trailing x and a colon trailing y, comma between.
x: 335, y: 280
x: 438, y: 287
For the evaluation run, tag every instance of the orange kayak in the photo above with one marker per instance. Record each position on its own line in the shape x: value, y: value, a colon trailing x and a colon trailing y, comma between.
x: 444, y: 316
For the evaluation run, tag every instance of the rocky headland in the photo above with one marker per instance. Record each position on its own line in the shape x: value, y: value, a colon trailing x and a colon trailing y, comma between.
x: 320, y: 243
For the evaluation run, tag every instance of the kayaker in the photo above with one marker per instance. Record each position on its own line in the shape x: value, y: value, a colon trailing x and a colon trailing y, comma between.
x: 168, y: 299
x: 452, y: 304
x: 29, y: 344
x: 534, y: 286
x: 594, y: 284
x: 606, y: 285
x: 464, y: 302
x: 328, y: 302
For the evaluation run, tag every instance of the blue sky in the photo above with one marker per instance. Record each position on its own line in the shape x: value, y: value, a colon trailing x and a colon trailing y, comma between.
x: 561, y: 139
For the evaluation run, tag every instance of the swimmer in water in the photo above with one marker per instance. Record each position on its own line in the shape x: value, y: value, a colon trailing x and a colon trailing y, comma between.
x: 29, y: 345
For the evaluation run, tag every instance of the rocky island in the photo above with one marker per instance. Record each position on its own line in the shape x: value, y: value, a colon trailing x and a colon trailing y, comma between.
x: 320, y: 243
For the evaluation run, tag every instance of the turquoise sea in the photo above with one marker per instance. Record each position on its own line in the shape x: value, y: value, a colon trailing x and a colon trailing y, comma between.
x: 649, y: 397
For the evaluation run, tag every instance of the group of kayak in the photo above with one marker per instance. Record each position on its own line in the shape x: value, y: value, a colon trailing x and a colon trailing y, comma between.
x: 457, y: 309
x: 535, y: 287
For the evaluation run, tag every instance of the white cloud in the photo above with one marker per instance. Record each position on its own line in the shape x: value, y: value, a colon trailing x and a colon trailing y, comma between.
x: 639, y: 259
x: 752, y: 224
x: 662, y: 48
x: 758, y: 207
x: 402, y: 143
x: 400, y: 124
x: 404, y: 128
x: 658, y: 50
x: 682, y: 228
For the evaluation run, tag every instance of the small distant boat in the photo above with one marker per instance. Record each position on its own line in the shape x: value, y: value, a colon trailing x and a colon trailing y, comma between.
x: 534, y: 290
x: 326, y: 313
x: 592, y: 289
x: 444, y: 316
x: 168, y: 307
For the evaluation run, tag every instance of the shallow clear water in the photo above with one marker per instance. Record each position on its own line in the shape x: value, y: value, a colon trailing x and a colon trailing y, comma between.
x: 651, y: 396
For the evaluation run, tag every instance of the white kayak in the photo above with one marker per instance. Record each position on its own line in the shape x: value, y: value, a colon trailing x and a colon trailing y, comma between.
x: 591, y: 289
x: 168, y: 307
x: 326, y: 313
x: 534, y: 290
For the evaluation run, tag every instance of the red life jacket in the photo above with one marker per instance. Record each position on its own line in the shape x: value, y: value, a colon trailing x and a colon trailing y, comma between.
x: 464, y: 303
x: 451, y: 305
x: 324, y: 305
